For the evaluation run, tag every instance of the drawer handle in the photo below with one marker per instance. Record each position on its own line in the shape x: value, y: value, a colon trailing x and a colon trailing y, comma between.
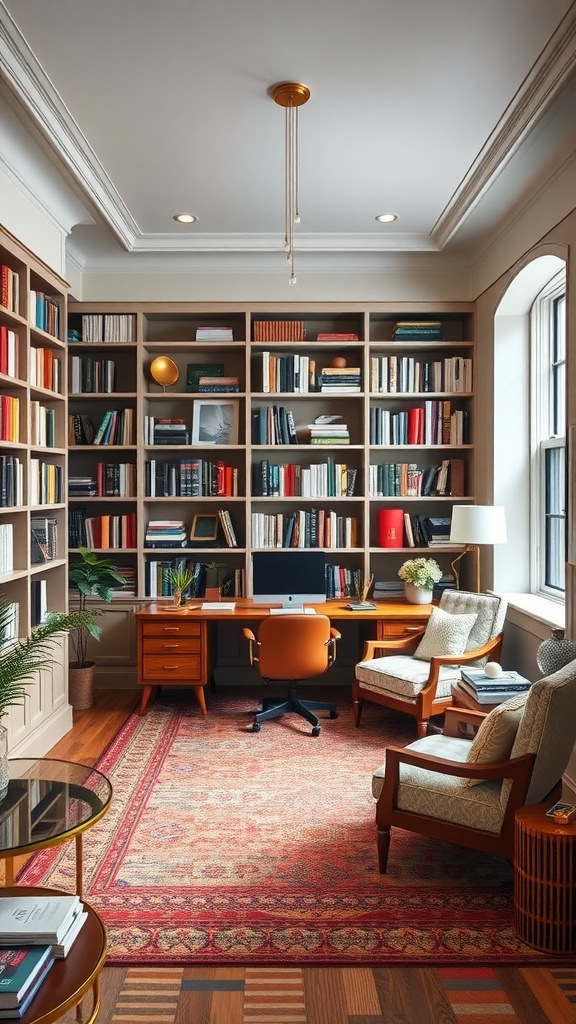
x: 169, y: 646
x: 171, y: 629
x: 171, y: 668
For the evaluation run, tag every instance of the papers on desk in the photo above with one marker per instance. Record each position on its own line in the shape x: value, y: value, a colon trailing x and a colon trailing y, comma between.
x: 218, y: 606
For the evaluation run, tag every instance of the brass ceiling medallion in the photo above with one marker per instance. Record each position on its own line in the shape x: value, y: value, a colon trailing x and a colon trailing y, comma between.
x: 164, y: 371
x: 291, y: 95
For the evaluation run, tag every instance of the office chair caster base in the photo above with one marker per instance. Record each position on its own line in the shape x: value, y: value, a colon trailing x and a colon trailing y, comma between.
x: 316, y: 730
x: 255, y: 727
x: 333, y: 714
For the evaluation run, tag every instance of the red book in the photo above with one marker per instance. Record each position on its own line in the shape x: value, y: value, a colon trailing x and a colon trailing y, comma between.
x: 3, y: 349
x: 391, y: 527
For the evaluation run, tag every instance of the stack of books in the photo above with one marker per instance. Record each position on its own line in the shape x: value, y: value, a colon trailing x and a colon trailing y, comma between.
x: 217, y: 383
x: 493, y: 690
x: 214, y: 334
x: 166, y: 533
x: 328, y: 430
x: 340, y: 380
x: 417, y: 330
x: 170, y: 431
x: 52, y: 921
x: 22, y: 971
x: 388, y: 590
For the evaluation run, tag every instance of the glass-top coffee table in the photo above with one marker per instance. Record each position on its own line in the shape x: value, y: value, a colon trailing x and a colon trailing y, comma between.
x: 48, y: 802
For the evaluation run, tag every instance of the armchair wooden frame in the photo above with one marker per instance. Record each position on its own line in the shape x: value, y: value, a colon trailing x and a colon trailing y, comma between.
x: 426, y: 703
x: 519, y: 770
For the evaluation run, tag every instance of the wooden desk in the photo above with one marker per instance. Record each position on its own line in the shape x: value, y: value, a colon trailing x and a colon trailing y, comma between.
x: 174, y: 644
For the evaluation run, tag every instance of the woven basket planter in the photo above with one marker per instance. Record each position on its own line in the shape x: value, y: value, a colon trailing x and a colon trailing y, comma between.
x: 81, y: 686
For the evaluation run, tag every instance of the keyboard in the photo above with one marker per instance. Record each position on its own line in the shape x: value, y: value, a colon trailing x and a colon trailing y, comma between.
x: 292, y: 611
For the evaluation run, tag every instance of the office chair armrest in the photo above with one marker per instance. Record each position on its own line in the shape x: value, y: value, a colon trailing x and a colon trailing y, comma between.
x: 331, y: 645
x: 253, y: 644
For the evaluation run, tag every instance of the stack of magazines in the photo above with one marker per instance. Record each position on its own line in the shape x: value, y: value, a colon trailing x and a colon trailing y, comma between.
x: 53, y: 921
x: 493, y: 690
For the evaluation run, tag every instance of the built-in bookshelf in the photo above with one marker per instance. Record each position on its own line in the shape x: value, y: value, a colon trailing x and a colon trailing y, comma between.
x: 397, y: 428
x: 33, y: 463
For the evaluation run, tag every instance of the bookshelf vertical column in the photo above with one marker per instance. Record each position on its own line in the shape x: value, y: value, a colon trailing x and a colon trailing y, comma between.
x: 33, y: 471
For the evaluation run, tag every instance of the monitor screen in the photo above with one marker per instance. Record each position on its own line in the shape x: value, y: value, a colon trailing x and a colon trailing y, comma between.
x: 289, y: 577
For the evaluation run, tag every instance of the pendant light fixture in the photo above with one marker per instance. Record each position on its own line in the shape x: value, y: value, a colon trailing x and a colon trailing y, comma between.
x: 290, y: 95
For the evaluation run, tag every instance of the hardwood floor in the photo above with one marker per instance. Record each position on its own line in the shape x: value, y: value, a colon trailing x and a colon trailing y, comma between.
x: 311, y: 995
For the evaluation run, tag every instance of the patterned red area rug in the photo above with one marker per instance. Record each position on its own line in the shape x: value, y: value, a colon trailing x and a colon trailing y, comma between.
x: 224, y: 846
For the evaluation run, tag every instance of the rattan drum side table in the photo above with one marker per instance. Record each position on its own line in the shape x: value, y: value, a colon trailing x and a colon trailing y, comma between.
x: 545, y: 881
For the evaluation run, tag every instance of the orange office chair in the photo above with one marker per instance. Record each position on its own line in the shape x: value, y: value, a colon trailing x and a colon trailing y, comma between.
x: 293, y: 647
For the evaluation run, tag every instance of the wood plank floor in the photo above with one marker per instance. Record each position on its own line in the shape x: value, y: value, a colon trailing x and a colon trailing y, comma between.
x: 311, y: 995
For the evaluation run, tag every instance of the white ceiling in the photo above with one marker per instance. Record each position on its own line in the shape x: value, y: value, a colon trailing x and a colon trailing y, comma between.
x: 448, y: 113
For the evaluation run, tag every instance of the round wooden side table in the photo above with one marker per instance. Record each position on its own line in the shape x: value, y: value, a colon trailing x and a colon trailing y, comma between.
x: 545, y: 881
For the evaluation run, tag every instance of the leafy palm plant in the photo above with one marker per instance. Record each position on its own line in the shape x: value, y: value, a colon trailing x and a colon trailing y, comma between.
x: 179, y: 578
x: 90, y: 576
x: 22, y: 658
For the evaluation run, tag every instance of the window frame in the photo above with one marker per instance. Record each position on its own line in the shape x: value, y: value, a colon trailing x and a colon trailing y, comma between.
x: 546, y: 432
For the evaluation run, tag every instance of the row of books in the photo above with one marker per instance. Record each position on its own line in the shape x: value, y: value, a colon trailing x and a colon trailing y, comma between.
x: 493, y: 690
x: 106, y: 531
x: 326, y: 429
x: 9, y: 352
x: 273, y: 424
x: 38, y: 601
x: 336, y: 380
x: 45, y: 370
x: 45, y: 483
x: 393, y: 374
x: 115, y: 427
x: 427, y: 531
x: 392, y: 590
x: 111, y: 480
x: 44, y: 312
x: 232, y: 585
x: 6, y: 548
x: 190, y: 477
x: 408, y: 480
x: 9, y: 418
x: 434, y: 422
x: 92, y: 376
x: 9, y: 288
x: 165, y: 431
x: 11, y: 481
x: 214, y: 334
x: 293, y: 373
x: 327, y: 479
x: 304, y: 528
x: 100, y: 327
x: 278, y: 330
x: 42, y: 425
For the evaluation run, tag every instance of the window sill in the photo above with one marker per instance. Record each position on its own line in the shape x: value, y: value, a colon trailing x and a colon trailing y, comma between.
x: 535, y: 613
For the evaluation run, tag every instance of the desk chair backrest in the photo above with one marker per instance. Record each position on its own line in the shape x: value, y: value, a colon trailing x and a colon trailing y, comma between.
x: 294, y: 646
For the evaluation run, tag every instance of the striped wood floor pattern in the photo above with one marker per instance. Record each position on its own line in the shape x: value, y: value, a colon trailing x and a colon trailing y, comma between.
x: 316, y: 995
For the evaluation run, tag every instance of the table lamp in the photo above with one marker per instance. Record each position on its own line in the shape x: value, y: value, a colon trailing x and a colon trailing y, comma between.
x: 474, y: 525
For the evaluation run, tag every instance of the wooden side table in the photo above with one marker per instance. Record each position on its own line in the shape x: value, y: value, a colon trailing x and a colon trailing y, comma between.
x: 462, y: 699
x: 545, y: 881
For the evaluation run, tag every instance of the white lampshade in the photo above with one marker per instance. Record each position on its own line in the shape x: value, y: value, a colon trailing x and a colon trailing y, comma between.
x: 478, y: 524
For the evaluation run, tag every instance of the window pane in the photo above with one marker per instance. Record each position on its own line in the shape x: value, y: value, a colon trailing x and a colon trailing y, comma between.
x: 555, y: 468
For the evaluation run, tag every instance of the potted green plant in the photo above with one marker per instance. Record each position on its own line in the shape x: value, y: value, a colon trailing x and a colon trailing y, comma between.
x: 419, y: 575
x: 21, y: 658
x: 89, y: 577
x: 179, y: 578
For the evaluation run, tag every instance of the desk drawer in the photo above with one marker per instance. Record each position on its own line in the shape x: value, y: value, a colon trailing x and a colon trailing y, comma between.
x: 166, y: 667
x: 171, y: 645
x: 170, y: 627
x: 394, y: 630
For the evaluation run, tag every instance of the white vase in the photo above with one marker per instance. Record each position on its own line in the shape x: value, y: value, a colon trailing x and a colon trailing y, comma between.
x: 415, y: 595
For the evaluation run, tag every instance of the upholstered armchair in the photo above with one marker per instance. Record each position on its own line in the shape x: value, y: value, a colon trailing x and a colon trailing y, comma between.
x: 465, y: 629
x: 466, y: 789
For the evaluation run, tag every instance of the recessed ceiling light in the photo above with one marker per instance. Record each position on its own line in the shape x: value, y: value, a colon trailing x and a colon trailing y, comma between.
x: 185, y: 218
x: 387, y: 218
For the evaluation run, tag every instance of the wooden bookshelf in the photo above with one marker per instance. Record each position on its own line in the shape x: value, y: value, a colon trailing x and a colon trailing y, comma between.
x: 33, y: 463
x: 359, y: 334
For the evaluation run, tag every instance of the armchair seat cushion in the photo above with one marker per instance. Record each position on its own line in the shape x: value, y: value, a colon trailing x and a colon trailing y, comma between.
x: 443, y: 796
x: 401, y: 675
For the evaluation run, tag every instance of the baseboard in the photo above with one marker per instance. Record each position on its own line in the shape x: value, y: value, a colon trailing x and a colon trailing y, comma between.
x: 46, y: 735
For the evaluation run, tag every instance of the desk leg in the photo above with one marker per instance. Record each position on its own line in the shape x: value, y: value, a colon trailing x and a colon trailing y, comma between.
x: 199, y: 691
x: 146, y: 698
x: 79, y: 864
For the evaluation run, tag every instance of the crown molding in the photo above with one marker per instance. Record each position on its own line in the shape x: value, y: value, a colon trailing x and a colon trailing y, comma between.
x: 549, y: 74
x: 321, y: 243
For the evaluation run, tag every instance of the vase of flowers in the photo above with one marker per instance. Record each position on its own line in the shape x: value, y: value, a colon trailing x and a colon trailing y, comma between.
x: 419, y: 575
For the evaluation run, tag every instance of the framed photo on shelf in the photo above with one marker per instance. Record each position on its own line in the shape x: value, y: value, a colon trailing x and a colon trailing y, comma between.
x: 215, y: 421
x: 204, y: 530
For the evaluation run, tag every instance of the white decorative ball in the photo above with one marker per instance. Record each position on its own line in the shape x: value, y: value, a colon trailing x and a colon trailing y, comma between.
x: 493, y: 669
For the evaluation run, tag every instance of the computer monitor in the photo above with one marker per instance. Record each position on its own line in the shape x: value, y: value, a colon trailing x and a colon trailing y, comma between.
x: 289, y: 577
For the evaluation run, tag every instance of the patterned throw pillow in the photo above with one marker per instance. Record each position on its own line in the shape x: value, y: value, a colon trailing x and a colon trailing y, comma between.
x: 495, y: 737
x: 445, y: 634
